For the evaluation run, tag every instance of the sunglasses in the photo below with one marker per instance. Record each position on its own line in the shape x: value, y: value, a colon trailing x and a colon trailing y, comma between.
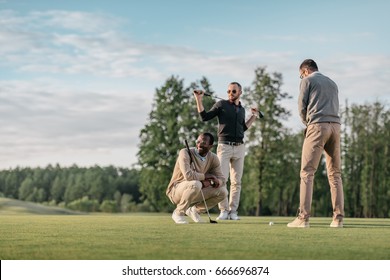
x: 201, y: 142
x: 232, y: 91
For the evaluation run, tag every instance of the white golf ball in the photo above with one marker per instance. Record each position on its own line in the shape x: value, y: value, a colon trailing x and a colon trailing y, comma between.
x: 271, y: 223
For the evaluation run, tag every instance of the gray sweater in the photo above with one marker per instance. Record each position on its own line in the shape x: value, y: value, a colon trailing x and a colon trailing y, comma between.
x: 318, y: 99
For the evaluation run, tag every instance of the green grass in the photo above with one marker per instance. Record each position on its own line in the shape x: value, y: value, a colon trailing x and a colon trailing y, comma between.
x: 12, y: 206
x: 156, y: 237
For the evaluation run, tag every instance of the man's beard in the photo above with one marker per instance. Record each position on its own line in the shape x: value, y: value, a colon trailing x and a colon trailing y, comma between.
x: 233, y: 98
x: 202, y: 151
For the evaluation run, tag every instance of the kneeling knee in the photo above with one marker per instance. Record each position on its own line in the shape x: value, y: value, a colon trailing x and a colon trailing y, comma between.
x: 197, y: 185
x: 223, y: 192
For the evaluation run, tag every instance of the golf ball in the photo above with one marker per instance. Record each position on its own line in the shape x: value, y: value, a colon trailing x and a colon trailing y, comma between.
x: 271, y: 223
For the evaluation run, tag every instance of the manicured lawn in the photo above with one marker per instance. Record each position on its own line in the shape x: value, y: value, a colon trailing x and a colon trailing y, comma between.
x: 156, y: 237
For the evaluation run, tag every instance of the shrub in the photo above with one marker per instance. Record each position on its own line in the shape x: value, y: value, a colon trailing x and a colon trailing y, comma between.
x: 84, y: 204
x: 109, y: 206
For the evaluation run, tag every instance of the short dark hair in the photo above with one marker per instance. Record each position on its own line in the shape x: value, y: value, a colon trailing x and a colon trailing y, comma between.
x: 310, y: 64
x: 237, y: 84
x: 210, y: 136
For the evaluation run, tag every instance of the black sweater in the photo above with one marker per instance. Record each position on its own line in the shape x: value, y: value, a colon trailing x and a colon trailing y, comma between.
x: 231, y: 120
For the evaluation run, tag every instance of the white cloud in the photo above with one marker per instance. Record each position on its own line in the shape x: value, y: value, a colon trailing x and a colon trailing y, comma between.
x: 75, y: 20
x: 361, y: 78
x: 37, y: 122
x: 70, y: 117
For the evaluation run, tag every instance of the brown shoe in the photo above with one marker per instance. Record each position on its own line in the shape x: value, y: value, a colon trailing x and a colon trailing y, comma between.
x: 299, y: 223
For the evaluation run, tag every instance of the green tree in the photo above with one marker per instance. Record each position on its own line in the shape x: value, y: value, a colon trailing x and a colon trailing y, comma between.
x: 160, y: 141
x: 266, y: 138
x: 96, y: 182
x: 109, y: 206
x: 173, y: 119
x: 127, y: 182
x: 76, y: 187
x: 56, y: 185
x: 366, y: 162
x: 192, y: 124
x: 57, y: 190
x: 84, y: 204
x: 27, y: 190
x: 13, y: 180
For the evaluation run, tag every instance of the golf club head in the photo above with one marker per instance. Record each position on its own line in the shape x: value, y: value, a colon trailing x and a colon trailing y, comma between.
x: 261, y: 114
x: 212, y: 222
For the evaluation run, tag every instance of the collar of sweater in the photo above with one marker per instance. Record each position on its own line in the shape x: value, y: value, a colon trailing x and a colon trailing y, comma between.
x: 199, y: 156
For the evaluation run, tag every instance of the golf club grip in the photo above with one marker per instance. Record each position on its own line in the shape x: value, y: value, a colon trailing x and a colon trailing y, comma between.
x: 189, y: 151
x: 204, y: 93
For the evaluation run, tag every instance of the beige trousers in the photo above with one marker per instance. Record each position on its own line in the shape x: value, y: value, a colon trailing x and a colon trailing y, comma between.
x: 321, y: 137
x: 187, y: 194
x: 232, y: 163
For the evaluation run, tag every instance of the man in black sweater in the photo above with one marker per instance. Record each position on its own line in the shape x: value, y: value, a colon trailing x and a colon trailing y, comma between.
x: 231, y: 148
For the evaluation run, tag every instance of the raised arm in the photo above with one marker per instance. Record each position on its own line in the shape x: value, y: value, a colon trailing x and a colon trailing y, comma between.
x: 199, y: 100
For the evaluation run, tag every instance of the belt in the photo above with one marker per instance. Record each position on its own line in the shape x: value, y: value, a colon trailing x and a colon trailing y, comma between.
x: 230, y: 143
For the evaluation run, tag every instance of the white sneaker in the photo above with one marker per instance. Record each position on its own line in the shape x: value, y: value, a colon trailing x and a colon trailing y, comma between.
x: 337, y: 224
x: 234, y: 216
x: 194, y: 215
x: 224, y: 215
x: 178, y: 218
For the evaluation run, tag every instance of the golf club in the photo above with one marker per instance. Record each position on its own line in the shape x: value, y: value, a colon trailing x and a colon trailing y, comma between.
x: 207, y: 209
x: 206, y: 94
x: 204, y: 200
x: 260, y: 115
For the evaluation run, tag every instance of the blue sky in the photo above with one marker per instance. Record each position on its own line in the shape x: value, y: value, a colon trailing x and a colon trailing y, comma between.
x: 77, y: 78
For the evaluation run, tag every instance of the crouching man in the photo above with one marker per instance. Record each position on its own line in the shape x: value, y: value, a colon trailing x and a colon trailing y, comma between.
x: 200, y: 172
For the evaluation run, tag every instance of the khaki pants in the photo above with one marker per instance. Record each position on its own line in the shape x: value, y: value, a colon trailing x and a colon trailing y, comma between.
x: 321, y: 137
x: 187, y: 193
x: 232, y: 162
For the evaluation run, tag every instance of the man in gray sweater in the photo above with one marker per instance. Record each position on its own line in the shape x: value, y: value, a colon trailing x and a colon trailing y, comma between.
x: 318, y: 106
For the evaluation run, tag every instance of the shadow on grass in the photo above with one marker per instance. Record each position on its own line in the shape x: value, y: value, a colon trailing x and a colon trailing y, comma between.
x: 367, y: 226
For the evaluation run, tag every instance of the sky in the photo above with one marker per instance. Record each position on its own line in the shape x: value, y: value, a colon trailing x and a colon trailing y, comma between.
x: 78, y: 78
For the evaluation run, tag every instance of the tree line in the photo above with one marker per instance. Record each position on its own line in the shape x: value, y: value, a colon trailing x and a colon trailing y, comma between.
x: 272, y: 165
x: 92, y: 189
